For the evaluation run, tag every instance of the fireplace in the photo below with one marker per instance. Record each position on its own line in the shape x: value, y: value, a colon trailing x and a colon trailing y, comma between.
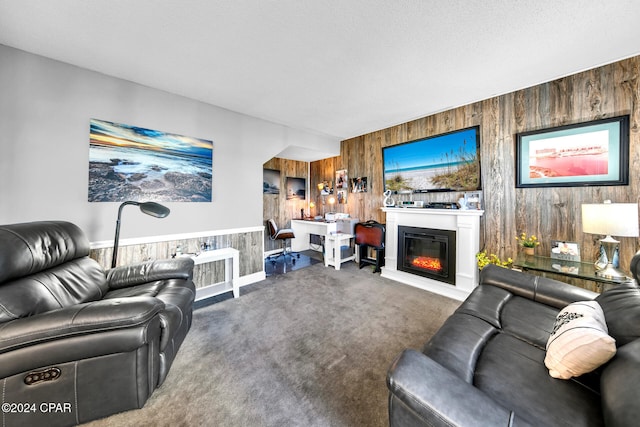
x: 466, y: 226
x: 427, y: 252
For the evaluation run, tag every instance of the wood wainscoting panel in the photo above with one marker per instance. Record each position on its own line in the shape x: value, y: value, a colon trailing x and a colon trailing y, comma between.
x: 248, y: 243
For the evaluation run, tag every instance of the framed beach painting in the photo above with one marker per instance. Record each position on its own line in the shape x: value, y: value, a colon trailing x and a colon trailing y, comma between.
x: 133, y: 163
x: 296, y: 188
x: 585, y: 154
x: 270, y: 181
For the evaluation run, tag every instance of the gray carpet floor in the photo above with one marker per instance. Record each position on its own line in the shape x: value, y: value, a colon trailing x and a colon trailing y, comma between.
x: 307, y: 348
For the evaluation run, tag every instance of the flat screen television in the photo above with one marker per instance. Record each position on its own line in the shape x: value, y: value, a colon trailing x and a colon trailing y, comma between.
x: 446, y: 162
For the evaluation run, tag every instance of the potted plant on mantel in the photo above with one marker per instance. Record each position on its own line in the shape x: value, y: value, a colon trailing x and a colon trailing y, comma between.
x: 528, y: 243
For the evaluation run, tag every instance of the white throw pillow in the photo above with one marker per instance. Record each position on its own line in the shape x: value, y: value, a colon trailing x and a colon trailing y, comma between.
x: 580, y: 341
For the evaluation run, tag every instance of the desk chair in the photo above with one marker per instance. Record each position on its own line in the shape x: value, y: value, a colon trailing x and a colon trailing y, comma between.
x: 370, y: 234
x: 282, y: 234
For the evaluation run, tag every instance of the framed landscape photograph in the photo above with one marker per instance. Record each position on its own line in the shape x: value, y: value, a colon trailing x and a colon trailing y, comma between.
x: 585, y: 154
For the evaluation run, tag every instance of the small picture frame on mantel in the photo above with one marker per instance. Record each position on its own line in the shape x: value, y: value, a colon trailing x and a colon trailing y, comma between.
x: 473, y: 200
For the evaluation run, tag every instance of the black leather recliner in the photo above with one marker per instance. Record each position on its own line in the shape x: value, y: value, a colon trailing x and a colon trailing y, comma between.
x: 91, y: 342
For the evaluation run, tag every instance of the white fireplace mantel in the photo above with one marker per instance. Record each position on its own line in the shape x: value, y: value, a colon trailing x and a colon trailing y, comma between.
x: 466, y: 224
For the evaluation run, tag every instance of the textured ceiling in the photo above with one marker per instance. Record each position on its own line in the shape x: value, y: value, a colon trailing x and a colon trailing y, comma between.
x: 335, y: 67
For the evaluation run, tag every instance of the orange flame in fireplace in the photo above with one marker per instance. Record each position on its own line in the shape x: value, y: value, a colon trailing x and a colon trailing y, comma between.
x: 427, y: 263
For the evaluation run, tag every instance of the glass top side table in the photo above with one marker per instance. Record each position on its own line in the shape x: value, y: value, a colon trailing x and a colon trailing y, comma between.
x: 576, y: 269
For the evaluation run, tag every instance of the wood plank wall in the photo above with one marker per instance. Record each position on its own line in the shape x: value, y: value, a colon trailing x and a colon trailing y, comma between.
x: 248, y: 243
x: 276, y: 206
x: 549, y: 213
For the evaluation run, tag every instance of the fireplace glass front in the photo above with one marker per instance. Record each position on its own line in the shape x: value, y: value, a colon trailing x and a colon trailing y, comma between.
x: 427, y: 252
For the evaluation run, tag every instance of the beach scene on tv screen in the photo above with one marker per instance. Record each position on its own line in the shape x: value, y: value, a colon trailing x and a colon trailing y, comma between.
x: 445, y: 162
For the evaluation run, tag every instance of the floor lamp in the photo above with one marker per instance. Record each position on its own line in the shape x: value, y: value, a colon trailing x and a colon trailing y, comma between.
x: 150, y: 208
x: 610, y: 219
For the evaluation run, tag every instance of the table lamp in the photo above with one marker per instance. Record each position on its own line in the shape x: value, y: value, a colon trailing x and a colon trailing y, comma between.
x: 610, y: 219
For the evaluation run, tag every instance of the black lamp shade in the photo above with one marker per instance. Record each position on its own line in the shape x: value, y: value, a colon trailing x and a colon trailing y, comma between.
x: 154, y: 209
x: 150, y: 208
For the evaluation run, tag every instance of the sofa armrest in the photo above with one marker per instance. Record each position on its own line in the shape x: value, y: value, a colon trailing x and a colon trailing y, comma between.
x: 439, y: 397
x: 540, y: 289
x: 132, y: 275
x: 619, y: 387
x: 81, y: 319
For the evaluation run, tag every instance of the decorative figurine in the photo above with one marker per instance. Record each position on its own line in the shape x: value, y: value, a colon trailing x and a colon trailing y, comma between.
x: 388, y: 200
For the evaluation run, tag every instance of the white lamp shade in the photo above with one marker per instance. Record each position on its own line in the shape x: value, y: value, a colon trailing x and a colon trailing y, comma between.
x: 610, y: 219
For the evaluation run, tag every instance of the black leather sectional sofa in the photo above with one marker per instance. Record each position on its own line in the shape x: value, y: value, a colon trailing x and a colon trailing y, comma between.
x: 84, y: 342
x: 486, y: 365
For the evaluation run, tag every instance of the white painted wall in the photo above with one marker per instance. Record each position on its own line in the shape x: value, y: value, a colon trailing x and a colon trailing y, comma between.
x: 45, y: 108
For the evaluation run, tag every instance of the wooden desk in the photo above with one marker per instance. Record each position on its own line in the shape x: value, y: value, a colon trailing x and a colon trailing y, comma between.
x: 302, y: 228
